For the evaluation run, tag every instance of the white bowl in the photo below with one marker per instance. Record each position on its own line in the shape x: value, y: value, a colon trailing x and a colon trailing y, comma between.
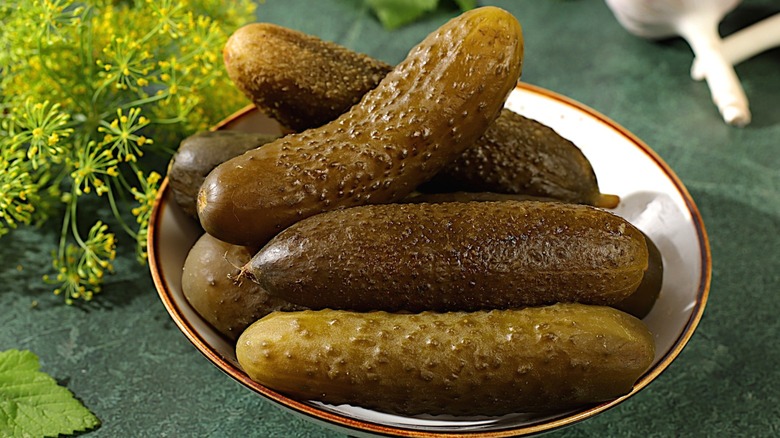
x: 652, y: 198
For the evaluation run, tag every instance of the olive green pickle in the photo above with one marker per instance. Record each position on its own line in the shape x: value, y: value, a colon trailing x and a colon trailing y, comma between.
x: 478, y: 363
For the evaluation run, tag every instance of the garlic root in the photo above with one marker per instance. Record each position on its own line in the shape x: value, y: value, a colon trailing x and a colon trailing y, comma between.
x: 745, y: 44
x: 697, y: 22
x: 725, y: 88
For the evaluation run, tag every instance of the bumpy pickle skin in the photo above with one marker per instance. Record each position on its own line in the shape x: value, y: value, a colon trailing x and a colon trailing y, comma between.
x: 207, y: 284
x: 522, y: 156
x: 420, y: 117
x: 199, y: 154
x: 480, y: 363
x: 304, y: 82
x: 638, y: 304
x: 298, y: 79
x: 454, y: 256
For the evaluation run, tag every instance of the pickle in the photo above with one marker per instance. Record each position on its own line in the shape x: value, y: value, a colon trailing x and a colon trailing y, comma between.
x: 199, y: 154
x: 421, y: 116
x: 440, y: 197
x: 453, y: 256
x: 641, y: 302
x: 295, y: 78
x: 303, y: 82
x: 538, y: 162
x: 496, y: 362
x: 207, y: 284
x: 638, y: 304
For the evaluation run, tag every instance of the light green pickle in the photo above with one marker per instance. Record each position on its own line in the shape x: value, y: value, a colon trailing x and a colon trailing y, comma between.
x: 482, y: 363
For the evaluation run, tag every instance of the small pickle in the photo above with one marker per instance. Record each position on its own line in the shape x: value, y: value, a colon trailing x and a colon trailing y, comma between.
x: 207, y: 284
x: 199, y: 154
x: 641, y: 302
x: 496, y: 362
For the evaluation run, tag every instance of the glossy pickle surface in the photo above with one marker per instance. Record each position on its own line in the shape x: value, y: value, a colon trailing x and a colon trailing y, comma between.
x: 478, y: 363
x: 323, y: 80
x: 453, y: 256
x: 420, y: 117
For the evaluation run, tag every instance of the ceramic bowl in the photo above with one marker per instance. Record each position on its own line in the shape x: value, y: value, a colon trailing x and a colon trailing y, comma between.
x: 652, y: 197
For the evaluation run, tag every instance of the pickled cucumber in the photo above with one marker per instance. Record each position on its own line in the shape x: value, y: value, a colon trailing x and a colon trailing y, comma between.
x: 641, y: 302
x: 453, y: 256
x: 207, y: 284
x: 420, y: 117
x: 538, y: 162
x: 439, y: 197
x: 298, y: 79
x: 638, y: 304
x: 481, y: 363
x: 323, y: 79
x: 199, y: 154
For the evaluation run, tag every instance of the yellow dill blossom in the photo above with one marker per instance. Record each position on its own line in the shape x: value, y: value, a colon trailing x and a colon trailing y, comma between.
x: 93, y: 164
x: 121, y: 134
x: 145, y: 197
x: 18, y: 189
x: 80, y: 267
x: 95, y: 91
x: 125, y: 64
x: 39, y: 126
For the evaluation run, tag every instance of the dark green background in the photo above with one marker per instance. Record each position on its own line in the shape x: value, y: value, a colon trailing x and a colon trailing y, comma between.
x: 125, y: 359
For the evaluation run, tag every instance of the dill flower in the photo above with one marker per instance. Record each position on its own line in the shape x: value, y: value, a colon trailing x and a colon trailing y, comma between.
x: 40, y: 126
x: 126, y: 65
x: 91, y: 166
x: 121, y: 135
x: 80, y: 267
x: 88, y: 89
x: 18, y: 190
x: 145, y: 197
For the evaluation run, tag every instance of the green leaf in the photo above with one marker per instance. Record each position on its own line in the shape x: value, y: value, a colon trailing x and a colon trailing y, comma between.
x: 396, y: 13
x: 465, y: 5
x: 33, y: 404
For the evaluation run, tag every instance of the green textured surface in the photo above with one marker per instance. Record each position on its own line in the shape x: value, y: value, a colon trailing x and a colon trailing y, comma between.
x: 125, y: 359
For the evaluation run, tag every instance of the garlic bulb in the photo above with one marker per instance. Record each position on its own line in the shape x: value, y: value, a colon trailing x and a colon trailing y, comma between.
x: 696, y: 21
x: 745, y: 43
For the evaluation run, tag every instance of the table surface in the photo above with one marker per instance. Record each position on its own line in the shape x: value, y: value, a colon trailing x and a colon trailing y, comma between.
x: 125, y: 359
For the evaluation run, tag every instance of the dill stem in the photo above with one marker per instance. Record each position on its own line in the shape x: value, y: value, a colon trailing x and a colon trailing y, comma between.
x: 117, y: 215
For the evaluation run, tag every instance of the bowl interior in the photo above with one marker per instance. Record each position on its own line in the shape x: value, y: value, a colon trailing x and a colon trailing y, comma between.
x: 652, y: 198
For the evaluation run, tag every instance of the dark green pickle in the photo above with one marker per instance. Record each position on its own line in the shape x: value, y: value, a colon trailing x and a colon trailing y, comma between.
x: 522, y: 156
x: 639, y: 303
x: 497, y: 362
x: 199, y: 154
x: 208, y: 285
x: 453, y: 256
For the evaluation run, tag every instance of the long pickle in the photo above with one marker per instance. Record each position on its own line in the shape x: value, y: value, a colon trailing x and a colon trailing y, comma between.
x: 304, y: 82
x: 453, y: 256
x: 481, y: 363
x: 385, y: 146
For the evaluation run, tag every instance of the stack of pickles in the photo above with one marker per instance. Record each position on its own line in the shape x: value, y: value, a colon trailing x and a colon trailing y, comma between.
x: 411, y: 246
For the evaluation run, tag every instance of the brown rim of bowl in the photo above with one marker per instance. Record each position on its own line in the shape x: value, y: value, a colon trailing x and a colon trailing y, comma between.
x: 381, y: 429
